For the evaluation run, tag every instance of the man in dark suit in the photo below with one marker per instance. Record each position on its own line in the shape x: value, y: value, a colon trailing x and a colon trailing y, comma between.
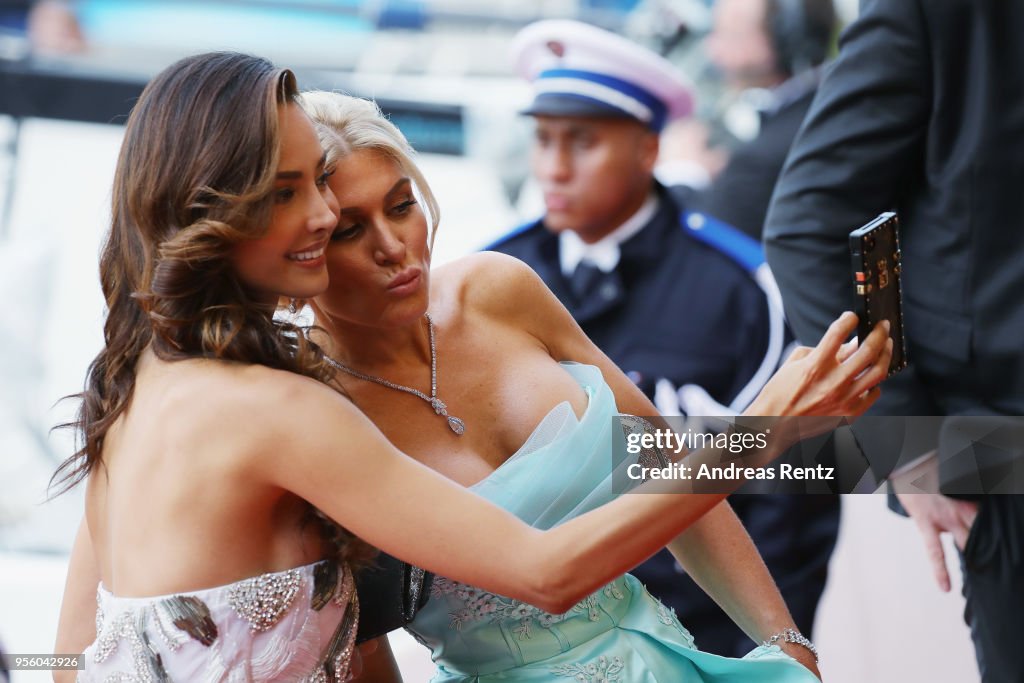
x: 771, y: 51
x: 923, y: 113
x: 679, y: 301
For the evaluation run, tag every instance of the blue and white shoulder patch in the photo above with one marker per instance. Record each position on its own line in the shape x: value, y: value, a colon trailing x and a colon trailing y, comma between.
x: 724, y: 238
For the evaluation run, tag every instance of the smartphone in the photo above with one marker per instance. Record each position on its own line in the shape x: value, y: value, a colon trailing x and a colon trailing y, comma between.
x: 876, y: 262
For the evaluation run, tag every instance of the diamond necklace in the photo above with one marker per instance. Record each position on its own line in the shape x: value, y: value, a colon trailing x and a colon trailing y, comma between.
x: 456, y: 425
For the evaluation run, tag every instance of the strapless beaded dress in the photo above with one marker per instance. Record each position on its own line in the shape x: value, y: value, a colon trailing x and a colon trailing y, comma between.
x: 620, y: 633
x: 294, y: 625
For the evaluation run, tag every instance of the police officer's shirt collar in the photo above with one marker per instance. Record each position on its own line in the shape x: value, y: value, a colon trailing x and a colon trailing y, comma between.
x: 605, y: 252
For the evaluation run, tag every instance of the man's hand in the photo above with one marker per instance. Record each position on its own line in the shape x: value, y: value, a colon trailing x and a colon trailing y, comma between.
x: 934, y: 515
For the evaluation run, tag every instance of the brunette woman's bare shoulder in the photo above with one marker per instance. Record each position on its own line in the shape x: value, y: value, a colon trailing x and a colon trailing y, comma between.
x: 278, y: 393
x: 279, y: 414
x: 247, y: 404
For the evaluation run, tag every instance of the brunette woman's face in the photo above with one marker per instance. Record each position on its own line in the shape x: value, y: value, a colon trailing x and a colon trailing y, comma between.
x: 377, y: 259
x: 288, y: 260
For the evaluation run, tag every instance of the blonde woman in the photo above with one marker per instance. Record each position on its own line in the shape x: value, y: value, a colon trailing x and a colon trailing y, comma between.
x: 464, y: 368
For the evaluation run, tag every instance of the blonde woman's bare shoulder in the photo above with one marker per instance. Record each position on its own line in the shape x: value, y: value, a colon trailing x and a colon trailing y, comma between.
x: 489, y: 282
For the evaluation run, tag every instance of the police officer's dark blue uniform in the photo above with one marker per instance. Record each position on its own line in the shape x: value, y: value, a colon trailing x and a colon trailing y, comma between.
x: 675, y: 307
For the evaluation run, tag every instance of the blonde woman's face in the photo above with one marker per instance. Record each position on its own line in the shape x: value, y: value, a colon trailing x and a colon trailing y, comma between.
x: 289, y: 259
x: 377, y: 259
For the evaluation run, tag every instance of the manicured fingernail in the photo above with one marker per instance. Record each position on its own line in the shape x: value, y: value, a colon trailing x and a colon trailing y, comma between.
x: 886, y: 325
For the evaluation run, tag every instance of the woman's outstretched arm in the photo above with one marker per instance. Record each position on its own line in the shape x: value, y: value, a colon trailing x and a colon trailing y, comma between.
x: 720, y: 557
x: 830, y: 379
x: 77, y: 626
x: 316, y: 444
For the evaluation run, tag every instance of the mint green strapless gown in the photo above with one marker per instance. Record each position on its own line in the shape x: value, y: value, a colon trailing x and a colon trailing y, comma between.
x: 620, y: 633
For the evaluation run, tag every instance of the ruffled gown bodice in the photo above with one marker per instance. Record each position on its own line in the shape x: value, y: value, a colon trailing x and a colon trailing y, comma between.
x: 619, y: 633
x: 294, y: 625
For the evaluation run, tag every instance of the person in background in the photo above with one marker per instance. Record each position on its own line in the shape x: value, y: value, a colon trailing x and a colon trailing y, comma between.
x: 769, y: 52
x: 681, y: 302
x: 50, y: 25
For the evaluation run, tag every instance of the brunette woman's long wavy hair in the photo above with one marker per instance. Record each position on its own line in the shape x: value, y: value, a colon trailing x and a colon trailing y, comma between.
x: 195, y: 176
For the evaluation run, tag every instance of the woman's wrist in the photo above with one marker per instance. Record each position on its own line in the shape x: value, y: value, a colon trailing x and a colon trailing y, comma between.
x: 790, y: 639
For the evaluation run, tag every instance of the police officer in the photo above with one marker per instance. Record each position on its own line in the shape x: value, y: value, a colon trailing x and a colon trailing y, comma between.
x: 681, y: 302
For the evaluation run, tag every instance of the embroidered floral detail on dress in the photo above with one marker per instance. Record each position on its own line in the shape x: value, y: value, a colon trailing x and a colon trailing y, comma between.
x: 479, y: 605
x: 612, y: 591
x: 588, y: 605
x: 667, y: 616
x: 604, y: 670
x: 263, y: 600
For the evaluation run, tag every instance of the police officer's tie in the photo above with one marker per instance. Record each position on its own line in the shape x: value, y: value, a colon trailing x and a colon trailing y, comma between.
x: 585, y: 280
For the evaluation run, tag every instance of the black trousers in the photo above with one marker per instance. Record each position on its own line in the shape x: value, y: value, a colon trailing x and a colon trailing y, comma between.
x: 993, y: 567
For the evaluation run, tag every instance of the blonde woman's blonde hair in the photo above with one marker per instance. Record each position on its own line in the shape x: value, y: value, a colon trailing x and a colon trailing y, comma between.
x: 347, y: 124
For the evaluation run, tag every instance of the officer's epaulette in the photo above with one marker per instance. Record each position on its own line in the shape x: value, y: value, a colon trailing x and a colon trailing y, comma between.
x: 514, y: 232
x: 724, y: 238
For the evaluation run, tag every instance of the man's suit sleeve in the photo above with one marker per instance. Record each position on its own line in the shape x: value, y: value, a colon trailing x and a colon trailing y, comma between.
x: 859, y: 150
x: 862, y: 141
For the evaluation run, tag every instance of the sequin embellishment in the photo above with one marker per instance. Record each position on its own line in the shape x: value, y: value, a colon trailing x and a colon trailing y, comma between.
x: 263, y: 600
x: 325, y: 584
x: 334, y: 667
x: 132, y: 629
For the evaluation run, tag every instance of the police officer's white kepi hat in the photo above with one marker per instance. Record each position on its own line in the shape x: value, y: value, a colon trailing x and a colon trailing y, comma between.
x: 580, y: 70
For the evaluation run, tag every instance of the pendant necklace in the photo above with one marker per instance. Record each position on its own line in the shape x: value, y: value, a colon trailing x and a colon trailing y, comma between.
x: 454, y: 423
